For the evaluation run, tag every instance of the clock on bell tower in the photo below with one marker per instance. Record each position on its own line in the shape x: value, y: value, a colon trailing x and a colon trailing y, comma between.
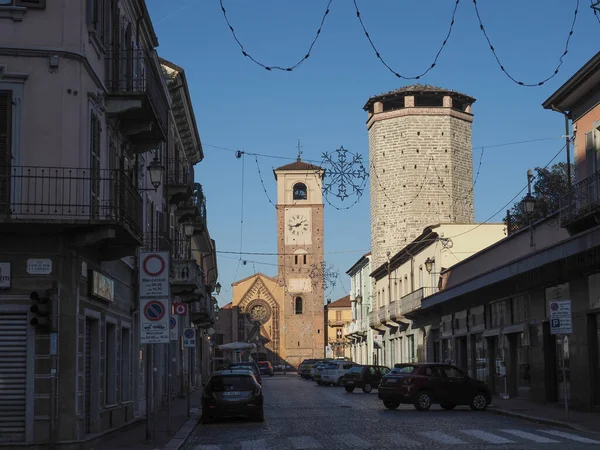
x: 300, y: 250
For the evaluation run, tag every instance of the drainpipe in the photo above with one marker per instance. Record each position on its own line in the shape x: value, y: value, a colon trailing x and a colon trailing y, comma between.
x: 567, y: 144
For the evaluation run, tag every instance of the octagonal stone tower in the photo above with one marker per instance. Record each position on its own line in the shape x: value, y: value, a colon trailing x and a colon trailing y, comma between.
x: 421, y: 164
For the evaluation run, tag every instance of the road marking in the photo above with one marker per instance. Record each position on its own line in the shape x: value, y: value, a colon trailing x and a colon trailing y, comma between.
x: 304, y: 442
x: 487, y: 437
x: 401, y: 441
x: 257, y: 444
x: 351, y: 440
x: 531, y: 436
x: 573, y: 437
x: 442, y: 438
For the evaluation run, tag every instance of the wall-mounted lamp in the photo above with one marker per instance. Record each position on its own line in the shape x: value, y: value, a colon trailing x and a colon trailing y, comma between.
x: 188, y: 229
x: 429, y: 264
x: 218, y: 288
x: 53, y: 63
x: 155, y: 169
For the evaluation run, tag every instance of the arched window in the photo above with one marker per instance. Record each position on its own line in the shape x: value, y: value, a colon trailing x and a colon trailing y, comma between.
x: 298, y: 305
x: 300, y: 192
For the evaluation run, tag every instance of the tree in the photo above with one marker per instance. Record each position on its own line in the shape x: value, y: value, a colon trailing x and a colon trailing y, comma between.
x: 549, y: 186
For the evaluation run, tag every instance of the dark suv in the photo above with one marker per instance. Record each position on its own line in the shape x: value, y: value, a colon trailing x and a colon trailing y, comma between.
x: 366, y: 377
x: 424, y: 384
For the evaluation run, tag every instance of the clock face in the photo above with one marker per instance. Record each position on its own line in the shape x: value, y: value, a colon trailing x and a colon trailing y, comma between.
x: 297, y: 224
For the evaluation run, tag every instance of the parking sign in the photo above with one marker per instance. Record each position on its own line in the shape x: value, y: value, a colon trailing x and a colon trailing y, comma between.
x: 560, y: 317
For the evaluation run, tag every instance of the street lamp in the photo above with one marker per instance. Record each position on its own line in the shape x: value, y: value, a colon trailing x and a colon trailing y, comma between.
x: 529, y: 206
x: 429, y: 264
x: 218, y: 288
x: 155, y: 169
x: 188, y: 229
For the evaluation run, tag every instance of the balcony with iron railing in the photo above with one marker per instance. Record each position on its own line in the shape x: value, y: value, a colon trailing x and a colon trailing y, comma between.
x: 137, y: 95
x: 381, y: 314
x: 411, y: 302
x: 157, y: 241
x: 193, y: 209
x: 201, y: 312
x: 94, y: 207
x: 179, y: 181
x: 580, y: 208
x: 187, y: 279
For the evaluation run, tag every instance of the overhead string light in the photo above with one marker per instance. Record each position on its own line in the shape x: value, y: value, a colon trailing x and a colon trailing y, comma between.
x: 595, y: 5
x: 267, y: 67
x: 378, y: 53
x: 511, y: 77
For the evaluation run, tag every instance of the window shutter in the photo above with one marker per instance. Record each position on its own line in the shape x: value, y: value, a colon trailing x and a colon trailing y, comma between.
x: 5, y: 150
x: 34, y: 4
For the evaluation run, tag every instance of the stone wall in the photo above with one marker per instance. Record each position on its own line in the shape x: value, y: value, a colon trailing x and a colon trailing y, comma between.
x: 421, y: 174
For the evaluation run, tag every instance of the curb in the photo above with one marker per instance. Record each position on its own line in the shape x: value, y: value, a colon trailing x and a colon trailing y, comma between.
x: 558, y: 423
x: 184, y: 432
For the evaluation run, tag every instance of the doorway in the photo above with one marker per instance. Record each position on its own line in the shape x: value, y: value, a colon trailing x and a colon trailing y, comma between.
x: 462, y: 356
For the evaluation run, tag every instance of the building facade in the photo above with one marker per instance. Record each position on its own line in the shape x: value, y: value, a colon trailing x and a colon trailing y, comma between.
x: 359, y: 332
x: 284, y: 315
x: 420, y: 152
x: 87, y: 133
x: 495, y: 307
x: 338, y: 315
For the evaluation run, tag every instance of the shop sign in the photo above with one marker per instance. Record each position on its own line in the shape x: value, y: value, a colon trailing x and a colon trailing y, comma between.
x: 102, y: 287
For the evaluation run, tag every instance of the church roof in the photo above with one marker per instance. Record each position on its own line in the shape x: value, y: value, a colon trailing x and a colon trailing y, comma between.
x: 299, y: 165
x: 343, y: 302
x: 416, y: 89
x: 254, y: 275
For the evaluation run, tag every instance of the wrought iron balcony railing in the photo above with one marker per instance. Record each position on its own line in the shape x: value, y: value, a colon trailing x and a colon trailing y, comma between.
x: 135, y: 72
x: 31, y: 193
x: 179, y: 173
x: 157, y: 241
x: 583, y: 200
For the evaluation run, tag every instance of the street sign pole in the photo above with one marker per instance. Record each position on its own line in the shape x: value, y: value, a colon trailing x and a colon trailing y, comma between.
x: 148, y: 390
x: 189, y: 384
x: 561, y: 325
x: 168, y: 352
x: 564, y: 374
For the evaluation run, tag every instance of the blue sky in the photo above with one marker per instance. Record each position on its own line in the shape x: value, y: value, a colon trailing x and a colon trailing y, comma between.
x: 241, y: 106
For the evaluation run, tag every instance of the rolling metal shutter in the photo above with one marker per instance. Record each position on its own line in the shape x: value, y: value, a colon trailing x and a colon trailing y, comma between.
x: 13, y: 374
x: 88, y: 374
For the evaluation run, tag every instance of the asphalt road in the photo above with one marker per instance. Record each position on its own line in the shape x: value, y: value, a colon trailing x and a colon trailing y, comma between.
x: 301, y: 415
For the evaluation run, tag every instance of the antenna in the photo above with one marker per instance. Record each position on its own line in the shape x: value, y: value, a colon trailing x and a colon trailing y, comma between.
x: 299, y: 151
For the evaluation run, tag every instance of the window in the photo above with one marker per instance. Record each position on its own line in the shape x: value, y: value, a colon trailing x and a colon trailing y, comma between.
x: 296, y: 259
x: 411, y: 348
x: 231, y: 383
x: 95, y: 141
x: 300, y: 192
x: 125, y: 364
x: 403, y: 368
x: 298, y: 304
x: 38, y: 4
x: 5, y: 148
x: 304, y: 256
x: 453, y: 372
x: 338, y: 316
x: 110, y: 364
x: 498, y: 314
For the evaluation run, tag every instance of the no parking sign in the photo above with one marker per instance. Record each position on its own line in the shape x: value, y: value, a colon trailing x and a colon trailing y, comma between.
x: 189, y: 338
x: 154, y: 321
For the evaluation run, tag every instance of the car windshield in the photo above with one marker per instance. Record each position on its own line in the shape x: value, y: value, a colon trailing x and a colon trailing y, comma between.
x: 403, y: 368
x: 250, y: 366
x: 356, y: 369
x: 224, y: 383
x: 309, y: 361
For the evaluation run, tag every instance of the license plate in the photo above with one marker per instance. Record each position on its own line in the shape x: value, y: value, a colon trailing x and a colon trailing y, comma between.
x: 391, y: 380
x: 232, y: 394
x: 350, y: 382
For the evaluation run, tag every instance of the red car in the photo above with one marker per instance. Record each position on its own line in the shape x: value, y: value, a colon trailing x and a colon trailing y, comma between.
x: 265, y: 368
x: 424, y: 384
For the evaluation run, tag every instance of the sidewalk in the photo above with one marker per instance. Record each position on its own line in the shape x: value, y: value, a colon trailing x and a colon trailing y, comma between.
x: 134, y: 437
x: 549, y: 414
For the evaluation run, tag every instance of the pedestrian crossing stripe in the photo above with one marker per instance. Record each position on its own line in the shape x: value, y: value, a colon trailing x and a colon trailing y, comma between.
x: 398, y: 440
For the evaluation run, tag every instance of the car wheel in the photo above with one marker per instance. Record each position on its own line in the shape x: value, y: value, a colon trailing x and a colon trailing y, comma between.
x: 479, y: 402
x: 206, y: 419
x: 423, y: 401
x: 391, y: 404
x: 349, y: 389
x: 448, y: 406
x: 367, y: 388
x: 339, y: 381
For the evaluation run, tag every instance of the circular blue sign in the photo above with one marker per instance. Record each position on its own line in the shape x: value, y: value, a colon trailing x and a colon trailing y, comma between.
x: 154, y: 310
x: 189, y: 334
x: 172, y: 322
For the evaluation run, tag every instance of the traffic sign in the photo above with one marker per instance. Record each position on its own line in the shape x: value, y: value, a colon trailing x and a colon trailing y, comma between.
x: 154, y: 321
x: 560, y: 317
x: 173, y: 330
x: 154, y: 274
x: 189, y: 338
x: 180, y: 309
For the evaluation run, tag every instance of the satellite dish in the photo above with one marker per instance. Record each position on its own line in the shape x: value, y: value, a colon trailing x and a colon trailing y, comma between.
x: 210, y: 331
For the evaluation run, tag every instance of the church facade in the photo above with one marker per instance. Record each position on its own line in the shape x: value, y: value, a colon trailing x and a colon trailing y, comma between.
x: 284, y: 315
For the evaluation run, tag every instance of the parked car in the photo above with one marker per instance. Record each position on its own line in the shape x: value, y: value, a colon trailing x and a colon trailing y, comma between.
x: 232, y: 393
x: 265, y: 368
x: 366, y: 377
x: 424, y: 384
x: 315, y: 372
x: 249, y: 365
x: 305, y: 366
x: 334, y: 371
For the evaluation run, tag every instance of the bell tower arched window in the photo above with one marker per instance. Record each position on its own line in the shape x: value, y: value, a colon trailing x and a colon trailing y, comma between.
x: 300, y: 192
x: 298, y: 305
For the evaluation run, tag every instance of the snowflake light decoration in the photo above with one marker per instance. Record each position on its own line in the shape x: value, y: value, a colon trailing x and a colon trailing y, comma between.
x: 323, y: 276
x: 346, y: 174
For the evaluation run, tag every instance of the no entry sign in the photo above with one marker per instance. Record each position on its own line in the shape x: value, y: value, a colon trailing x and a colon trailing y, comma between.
x: 180, y: 309
x: 154, y: 321
x: 154, y: 274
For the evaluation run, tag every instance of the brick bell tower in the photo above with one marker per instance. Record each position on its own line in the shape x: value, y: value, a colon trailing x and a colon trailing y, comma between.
x: 421, y: 163
x: 300, y: 251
